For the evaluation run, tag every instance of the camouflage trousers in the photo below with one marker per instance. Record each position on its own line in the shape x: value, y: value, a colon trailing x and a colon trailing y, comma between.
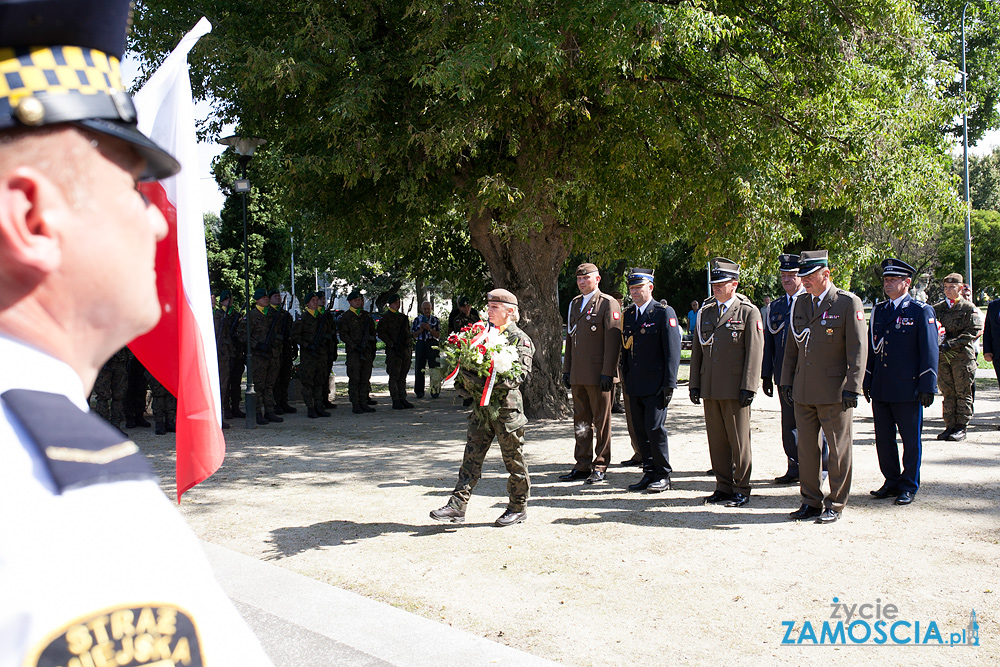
x: 264, y: 375
x: 359, y: 378
x: 956, y: 377
x: 164, y: 403
x: 312, y: 377
x: 480, y: 438
x: 397, y: 366
x: 110, y: 390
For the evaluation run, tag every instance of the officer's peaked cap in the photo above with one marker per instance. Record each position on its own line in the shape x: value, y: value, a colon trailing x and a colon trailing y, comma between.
x: 811, y: 261
x: 722, y: 270
x: 788, y: 263
x: 639, y: 275
x: 897, y: 267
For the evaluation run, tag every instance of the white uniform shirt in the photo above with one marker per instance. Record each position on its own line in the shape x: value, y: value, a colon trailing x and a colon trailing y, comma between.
x: 66, y: 559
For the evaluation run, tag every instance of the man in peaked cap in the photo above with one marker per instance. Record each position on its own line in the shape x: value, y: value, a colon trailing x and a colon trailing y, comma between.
x: 77, y: 282
x: 507, y: 426
x: 900, y: 379
x: 726, y: 356
x: 963, y: 324
x: 822, y: 373
x: 651, y: 355
x: 775, y: 337
x: 590, y: 369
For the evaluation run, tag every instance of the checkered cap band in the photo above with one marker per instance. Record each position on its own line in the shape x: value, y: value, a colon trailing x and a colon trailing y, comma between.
x: 57, y: 70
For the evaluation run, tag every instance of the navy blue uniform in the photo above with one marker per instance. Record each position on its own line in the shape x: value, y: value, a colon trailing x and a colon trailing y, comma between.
x: 651, y: 355
x: 902, y: 363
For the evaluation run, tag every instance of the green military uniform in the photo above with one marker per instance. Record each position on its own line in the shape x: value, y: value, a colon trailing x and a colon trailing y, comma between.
x: 260, y: 348
x: 111, y: 387
x: 308, y: 335
x: 963, y: 324
x: 227, y: 348
x: 330, y: 343
x: 394, y: 330
x: 357, y: 332
x: 508, y: 428
x: 164, y: 406
x: 286, y: 355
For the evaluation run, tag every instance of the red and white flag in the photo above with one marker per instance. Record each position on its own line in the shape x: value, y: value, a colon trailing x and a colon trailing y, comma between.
x: 181, y: 351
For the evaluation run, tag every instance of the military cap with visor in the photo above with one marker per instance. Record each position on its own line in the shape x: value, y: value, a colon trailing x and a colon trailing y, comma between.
x: 60, y: 62
x: 892, y: 267
x: 811, y: 261
x: 638, y: 275
x: 788, y: 263
x: 722, y: 270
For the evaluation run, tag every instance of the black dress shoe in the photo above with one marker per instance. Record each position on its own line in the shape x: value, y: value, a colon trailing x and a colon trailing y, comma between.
x: 643, y: 483
x: 631, y: 462
x: 448, y: 514
x: 957, y: 435
x: 805, y: 512
x: 828, y: 516
x: 662, y: 484
x: 905, y: 497
x: 718, y: 497
x: 595, y: 477
x: 509, y: 518
x: 787, y: 478
x: 885, y: 491
x: 943, y: 435
x: 574, y: 475
x: 738, y: 500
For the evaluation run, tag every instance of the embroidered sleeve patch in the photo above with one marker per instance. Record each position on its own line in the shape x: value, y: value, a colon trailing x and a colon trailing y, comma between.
x: 673, y: 321
x: 860, y: 315
x: 152, y: 634
x: 616, y: 315
x: 930, y: 320
x: 760, y: 325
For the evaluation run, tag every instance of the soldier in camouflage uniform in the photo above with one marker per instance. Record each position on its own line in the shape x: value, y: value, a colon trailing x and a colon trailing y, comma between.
x: 507, y: 428
x: 283, y: 353
x: 260, y: 347
x: 963, y: 324
x: 164, y: 407
x: 394, y: 330
x: 226, y: 343
x: 358, y: 333
x: 111, y: 387
x: 307, y: 333
x: 330, y: 343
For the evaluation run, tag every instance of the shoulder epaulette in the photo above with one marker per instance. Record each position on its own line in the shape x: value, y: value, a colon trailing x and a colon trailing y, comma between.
x: 79, y: 448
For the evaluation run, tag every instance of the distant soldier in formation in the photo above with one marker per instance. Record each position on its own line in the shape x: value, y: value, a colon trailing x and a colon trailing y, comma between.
x: 900, y: 379
x: 394, y: 330
x: 330, y: 343
x: 260, y: 350
x: 164, y: 406
x: 111, y: 388
x: 285, y: 354
x: 726, y: 356
x: 227, y: 344
x: 507, y: 427
x: 963, y: 324
x: 822, y: 373
x: 135, y: 394
x: 590, y: 369
x: 651, y: 355
x: 357, y: 330
x: 307, y: 333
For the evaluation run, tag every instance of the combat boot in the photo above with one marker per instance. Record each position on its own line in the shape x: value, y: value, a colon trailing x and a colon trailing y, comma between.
x: 271, y: 417
x: 161, y: 428
x: 278, y: 410
x: 367, y: 408
x: 448, y: 514
x: 322, y: 413
x: 171, y: 426
x: 398, y: 404
x: 262, y: 420
x: 289, y: 409
x: 311, y: 413
x: 357, y: 410
x: 237, y: 413
x: 371, y: 401
x: 406, y: 403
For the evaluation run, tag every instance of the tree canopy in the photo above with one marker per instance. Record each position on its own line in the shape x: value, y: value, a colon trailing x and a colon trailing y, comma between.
x: 597, y: 127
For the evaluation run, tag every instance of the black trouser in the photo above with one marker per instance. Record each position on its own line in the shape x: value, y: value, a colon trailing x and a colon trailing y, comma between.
x: 135, y: 395
x: 427, y: 355
x: 650, y: 423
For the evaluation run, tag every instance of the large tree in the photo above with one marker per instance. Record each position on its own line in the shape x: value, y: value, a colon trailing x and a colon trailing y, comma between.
x: 590, y: 127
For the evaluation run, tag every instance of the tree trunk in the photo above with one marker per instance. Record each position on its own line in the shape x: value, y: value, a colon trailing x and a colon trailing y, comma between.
x: 530, y: 268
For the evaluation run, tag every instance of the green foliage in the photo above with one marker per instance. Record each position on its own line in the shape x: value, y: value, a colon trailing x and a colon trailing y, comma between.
x: 985, y: 226
x: 984, y: 180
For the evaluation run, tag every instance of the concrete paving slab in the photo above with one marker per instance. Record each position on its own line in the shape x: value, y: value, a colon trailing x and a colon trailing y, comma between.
x: 302, y: 622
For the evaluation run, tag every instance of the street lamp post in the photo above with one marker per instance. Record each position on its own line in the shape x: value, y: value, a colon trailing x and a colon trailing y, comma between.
x: 965, y: 146
x: 245, y: 147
